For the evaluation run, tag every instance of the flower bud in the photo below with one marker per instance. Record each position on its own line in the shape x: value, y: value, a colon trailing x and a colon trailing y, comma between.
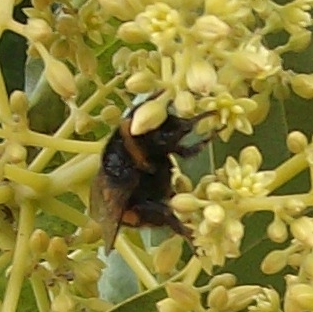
x: 201, y: 77
x: 120, y: 58
x: 227, y: 280
x: 241, y: 296
x: 15, y: 153
x: 302, y: 229
x: 67, y: 25
x: 274, y: 262
x: 184, y: 103
x: 60, y: 48
x: 181, y: 183
x: 169, y: 305
x: 259, y: 114
x: 58, y: 75
x: 250, y: 155
x: 234, y: 230
x: 83, y: 122
x: 167, y: 255
x: 296, y: 142
x: 111, y: 115
x: 185, y: 295
x: 38, y: 242
x: 141, y: 82
x: 63, y: 302
x: 37, y: 29
x: 302, y: 85
x: 210, y: 27
x: 86, y: 59
x: 308, y: 265
x: 148, y: 116
x: 214, y: 214
x: 299, y: 41
x: 19, y: 103
x: 131, y: 32
x: 277, y: 231
x: 302, y: 294
x: 218, y: 298
x: 57, y: 251
x: 218, y: 191
x: 90, y: 233
x: 185, y: 202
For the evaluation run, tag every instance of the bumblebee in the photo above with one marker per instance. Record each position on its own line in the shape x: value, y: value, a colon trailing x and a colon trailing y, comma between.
x: 133, y: 183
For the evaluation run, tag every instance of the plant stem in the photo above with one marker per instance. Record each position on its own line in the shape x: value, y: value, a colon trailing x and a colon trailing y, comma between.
x: 31, y: 138
x: 67, y: 127
x: 21, y: 254
x: 42, y: 298
x: 6, y: 12
x: 288, y: 170
x: 134, y: 262
x: 63, y: 211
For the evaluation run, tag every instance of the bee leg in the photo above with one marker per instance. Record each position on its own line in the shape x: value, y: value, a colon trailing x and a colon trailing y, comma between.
x: 189, y: 151
x: 159, y: 214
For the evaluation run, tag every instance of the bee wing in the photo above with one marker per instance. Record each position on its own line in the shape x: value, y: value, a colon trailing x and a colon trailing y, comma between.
x: 106, y: 207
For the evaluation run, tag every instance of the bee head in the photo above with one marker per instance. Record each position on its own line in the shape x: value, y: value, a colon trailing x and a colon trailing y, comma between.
x: 165, y: 138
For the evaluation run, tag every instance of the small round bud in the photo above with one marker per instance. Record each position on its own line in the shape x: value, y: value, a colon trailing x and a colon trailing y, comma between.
x: 169, y: 305
x: 185, y: 103
x: 234, y: 230
x: 250, y: 155
x: 185, y: 202
x: 57, y: 251
x: 302, y: 294
x: 111, y: 115
x: 302, y: 85
x: 168, y: 255
x: 296, y: 142
x: 218, y: 191
x: 120, y: 58
x: 214, y: 214
x: 302, y: 229
x: 130, y: 32
x: 141, y: 82
x: 218, y: 298
x: 210, y: 27
x: 227, y: 280
x: 201, y: 77
x: 277, y: 231
x: 37, y: 29
x: 241, y: 296
x: 19, y: 103
x: 185, y: 295
x: 38, y: 242
x: 148, y: 116
x: 15, y: 153
x: 90, y: 233
x: 274, y: 262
